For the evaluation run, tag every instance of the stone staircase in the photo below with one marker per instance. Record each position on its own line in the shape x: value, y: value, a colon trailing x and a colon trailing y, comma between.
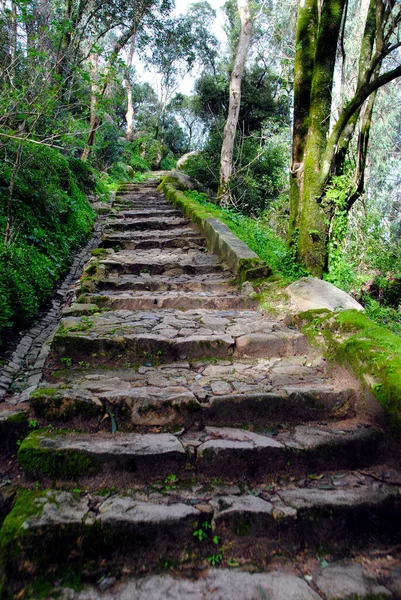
x: 191, y: 446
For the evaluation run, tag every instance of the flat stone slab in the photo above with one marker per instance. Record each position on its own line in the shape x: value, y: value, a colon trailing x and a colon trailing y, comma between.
x: 156, y: 262
x: 339, y: 582
x: 147, y: 223
x: 223, y: 451
x: 175, y: 300
x: 172, y: 334
x: 306, y: 499
x: 70, y: 456
x: 310, y: 293
x: 222, y: 584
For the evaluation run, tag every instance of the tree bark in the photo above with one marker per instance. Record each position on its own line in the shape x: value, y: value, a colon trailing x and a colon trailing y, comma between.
x: 308, y: 219
x: 93, y: 119
x: 129, y: 116
x: 226, y: 164
x: 318, y: 153
x: 98, y: 93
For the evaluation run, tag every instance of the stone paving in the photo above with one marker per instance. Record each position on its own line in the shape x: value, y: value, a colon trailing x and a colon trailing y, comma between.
x: 179, y: 428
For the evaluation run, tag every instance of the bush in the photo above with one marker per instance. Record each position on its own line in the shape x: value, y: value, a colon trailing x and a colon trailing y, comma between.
x: 50, y: 216
x: 168, y: 163
x: 84, y: 175
x: 260, y: 172
x: 139, y: 165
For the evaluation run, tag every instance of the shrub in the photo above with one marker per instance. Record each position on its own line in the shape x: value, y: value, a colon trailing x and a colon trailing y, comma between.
x: 50, y: 216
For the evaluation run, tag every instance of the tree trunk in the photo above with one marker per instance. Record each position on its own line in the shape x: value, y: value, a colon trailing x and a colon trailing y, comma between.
x: 317, y: 36
x: 99, y: 93
x: 226, y: 164
x: 93, y: 119
x: 129, y: 116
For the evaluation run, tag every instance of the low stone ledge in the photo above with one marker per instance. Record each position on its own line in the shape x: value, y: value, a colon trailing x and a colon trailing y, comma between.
x: 243, y: 261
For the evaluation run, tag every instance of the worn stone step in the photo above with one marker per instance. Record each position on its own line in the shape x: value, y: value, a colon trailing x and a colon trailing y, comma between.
x: 139, y: 212
x: 131, y: 533
x: 148, y: 223
x: 177, y: 300
x: 259, y: 392
x: 227, y: 453
x: 71, y: 456
x: 187, y: 404
x: 174, y: 261
x: 207, y: 282
x: 128, y: 202
x: 89, y: 534
x: 167, y: 334
x: 237, y: 453
x: 127, y: 242
x: 339, y: 580
x: 122, y: 236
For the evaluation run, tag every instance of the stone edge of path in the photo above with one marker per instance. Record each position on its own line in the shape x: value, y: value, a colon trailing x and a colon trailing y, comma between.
x: 33, y: 346
x: 243, y: 261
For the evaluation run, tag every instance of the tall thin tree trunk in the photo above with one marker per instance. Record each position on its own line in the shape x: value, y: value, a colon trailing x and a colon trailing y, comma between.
x: 100, y: 92
x: 93, y: 119
x: 129, y: 116
x: 227, y: 149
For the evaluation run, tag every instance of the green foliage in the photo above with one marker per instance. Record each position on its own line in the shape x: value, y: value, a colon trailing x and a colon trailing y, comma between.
x: 138, y: 164
x: 168, y: 163
x: 256, y: 233
x: 49, y: 217
x: 84, y: 175
x: 260, y: 172
x: 150, y: 150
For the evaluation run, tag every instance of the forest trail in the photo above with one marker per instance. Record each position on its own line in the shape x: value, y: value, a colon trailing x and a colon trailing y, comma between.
x: 197, y: 448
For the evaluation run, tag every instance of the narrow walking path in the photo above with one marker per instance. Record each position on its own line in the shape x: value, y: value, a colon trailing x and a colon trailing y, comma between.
x: 191, y: 446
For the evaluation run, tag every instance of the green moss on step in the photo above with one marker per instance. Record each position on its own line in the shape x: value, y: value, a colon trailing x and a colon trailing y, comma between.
x: 372, y: 352
x: 35, y: 458
x: 99, y: 252
x: 20, y: 418
x: 24, y: 507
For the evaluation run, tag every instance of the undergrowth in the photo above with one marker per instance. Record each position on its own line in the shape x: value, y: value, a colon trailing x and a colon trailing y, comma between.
x: 47, y: 217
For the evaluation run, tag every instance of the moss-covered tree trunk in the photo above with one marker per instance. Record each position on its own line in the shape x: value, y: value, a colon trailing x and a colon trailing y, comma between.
x: 319, y: 152
x: 318, y: 30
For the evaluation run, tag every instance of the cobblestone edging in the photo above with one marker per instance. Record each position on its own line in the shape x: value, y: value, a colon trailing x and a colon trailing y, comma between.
x: 34, y: 346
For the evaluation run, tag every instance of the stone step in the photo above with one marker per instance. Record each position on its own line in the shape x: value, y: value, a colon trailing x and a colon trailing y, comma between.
x: 208, y: 282
x: 173, y: 261
x: 170, y: 400
x: 339, y: 580
x: 97, y: 536
x: 178, y: 238
x: 127, y: 202
x: 186, y: 242
x: 177, y: 300
x: 140, y: 213
x: 226, y: 453
x: 161, y: 223
x: 167, y: 334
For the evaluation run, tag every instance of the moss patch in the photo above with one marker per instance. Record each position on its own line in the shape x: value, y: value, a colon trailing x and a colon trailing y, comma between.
x: 38, y: 457
x: 372, y: 352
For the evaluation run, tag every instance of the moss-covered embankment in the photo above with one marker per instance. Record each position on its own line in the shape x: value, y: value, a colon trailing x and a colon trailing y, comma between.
x: 369, y: 351
x: 44, y: 216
